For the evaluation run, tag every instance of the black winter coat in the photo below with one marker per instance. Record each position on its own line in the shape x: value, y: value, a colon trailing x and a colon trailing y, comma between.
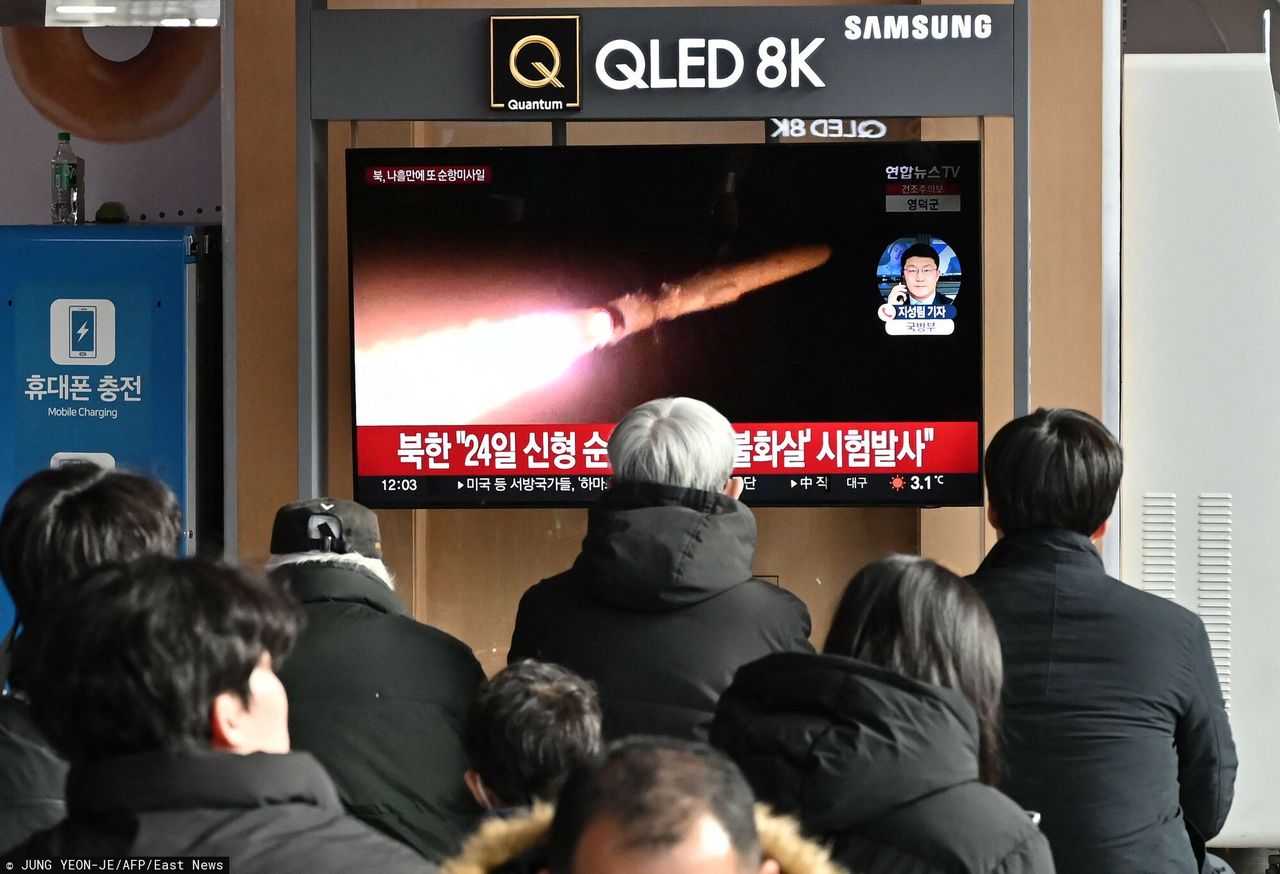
x: 380, y: 699
x: 660, y: 608
x: 882, y: 768
x: 1114, y: 722
x: 270, y: 814
x: 32, y: 776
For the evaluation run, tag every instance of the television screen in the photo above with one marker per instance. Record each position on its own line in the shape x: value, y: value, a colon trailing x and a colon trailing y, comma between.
x: 510, y: 304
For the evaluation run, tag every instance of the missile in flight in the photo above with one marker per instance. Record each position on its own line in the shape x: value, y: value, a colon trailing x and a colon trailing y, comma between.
x: 715, y: 287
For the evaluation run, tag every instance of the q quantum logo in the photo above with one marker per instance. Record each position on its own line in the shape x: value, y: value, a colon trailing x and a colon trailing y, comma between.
x: 535, y: 62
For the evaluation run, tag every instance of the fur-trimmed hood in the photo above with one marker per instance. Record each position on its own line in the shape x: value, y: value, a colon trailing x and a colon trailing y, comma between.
x: 499, y: 841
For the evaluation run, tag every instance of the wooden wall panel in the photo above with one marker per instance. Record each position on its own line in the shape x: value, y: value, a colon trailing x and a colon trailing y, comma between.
x: 399, y: 550
x: 266, y: 271
x: 813, y: 552
x: 479, y: 563
x: 497, y: 133
x: 662, y: 132
x: 1066, y: 205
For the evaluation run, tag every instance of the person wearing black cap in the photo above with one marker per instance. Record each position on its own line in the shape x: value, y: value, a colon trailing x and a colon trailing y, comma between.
x: 376, y: 696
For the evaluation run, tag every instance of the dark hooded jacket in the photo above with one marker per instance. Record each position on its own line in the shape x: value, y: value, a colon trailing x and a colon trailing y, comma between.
x: 1115, y: 728
x: 882, y: 768
x: 32, y: 776
x: 380, y: 699
x: 273, y: 814
x: 660, y: 608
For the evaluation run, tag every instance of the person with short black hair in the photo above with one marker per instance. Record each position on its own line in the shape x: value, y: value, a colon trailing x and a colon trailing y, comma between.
x: 376, y: 696
x: 1057, y: 468
x: 158, y: 684
x: 61, y: 522
x: 886, y: 746
x: 56, y: 525
x: 526, y: 729
x: 921, y: 270
x: 1114, y: 720
x: 650, y: 798
x: 661, y: 606
x: 652, y: 806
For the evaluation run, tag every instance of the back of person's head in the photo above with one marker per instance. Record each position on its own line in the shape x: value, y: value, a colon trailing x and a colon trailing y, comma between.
x: 328, y: 531
x: 164, y: 654
x: 676, y: 442
x: 527, y: 728
x: 915, y: 617
x: 1056, y: 468
x: 63, y: 521
x: 919, y: 250
x: 646, y: 800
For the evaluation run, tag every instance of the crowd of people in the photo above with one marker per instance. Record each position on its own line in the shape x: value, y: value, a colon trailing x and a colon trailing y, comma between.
x: 662, y: 710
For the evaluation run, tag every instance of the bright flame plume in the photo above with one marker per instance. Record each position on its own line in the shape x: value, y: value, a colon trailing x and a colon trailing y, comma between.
x: 456, y: 375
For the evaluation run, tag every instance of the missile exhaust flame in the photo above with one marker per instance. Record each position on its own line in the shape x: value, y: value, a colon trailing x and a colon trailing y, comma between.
x: 470, y: 370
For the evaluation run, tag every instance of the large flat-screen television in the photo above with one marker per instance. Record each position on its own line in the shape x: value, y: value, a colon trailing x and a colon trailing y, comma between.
x: 510, y: 304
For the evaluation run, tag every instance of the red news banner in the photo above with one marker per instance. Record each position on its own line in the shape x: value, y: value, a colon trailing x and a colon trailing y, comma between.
x: 778, y: 448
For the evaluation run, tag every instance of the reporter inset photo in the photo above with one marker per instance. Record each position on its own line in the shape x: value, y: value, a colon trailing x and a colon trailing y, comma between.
x: 918, y: 278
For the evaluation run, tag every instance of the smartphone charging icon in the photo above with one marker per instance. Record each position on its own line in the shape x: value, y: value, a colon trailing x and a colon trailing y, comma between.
x: 82, y: 331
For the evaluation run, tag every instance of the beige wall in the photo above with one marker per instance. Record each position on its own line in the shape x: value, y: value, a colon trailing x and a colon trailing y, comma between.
x: 1066, y: 205
x: 464, y: 570
x: 266, y: 270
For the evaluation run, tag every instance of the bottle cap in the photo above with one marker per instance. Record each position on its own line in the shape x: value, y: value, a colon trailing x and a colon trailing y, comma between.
x: 111, y: 212
x: 64, y: 137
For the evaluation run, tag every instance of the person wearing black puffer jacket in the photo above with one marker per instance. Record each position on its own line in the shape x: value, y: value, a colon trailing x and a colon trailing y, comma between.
x: 376, y: 696
x: 661, y: 607
x: 885, y: 746
x: 158, y: 684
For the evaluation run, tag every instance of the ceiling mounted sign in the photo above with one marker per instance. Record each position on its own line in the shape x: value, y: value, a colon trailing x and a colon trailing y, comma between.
x: 673, y: 63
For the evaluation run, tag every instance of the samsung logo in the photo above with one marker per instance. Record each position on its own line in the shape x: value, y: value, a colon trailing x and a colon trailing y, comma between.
x: 918, y: 26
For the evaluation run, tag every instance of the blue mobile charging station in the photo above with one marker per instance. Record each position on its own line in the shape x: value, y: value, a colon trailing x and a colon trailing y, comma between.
x: 110, y: 353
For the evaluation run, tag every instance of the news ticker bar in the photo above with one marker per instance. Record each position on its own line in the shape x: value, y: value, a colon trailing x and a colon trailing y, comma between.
x: 783, y: 490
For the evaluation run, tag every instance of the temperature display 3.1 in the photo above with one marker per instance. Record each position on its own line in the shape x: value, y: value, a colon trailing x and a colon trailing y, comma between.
x: 917, y: 483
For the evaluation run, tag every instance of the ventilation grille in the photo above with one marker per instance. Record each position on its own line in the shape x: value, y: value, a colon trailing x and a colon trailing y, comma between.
x: 1159, y: 550
x: 1213, y: 580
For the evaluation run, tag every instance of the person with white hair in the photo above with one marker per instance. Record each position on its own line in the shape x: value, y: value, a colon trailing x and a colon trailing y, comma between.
x: 661, y: 608
x: 376, y: 696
